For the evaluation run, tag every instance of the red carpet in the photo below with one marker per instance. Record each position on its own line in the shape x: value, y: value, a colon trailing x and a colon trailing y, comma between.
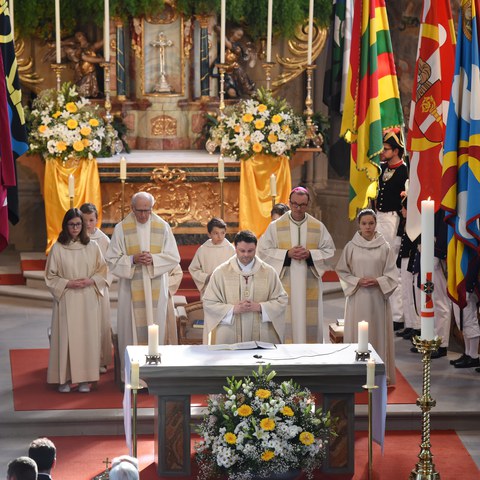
x: 86, y: 453
x: 29, y: 374
x: 12, y: 279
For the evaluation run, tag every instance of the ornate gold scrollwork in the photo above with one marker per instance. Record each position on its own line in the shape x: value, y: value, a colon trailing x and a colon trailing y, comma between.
x: 163, y: 126
x: 165, y: 174
x: 26, y: 72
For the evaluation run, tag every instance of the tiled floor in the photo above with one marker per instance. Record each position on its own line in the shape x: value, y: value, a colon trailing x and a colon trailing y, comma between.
x: 23, y: 324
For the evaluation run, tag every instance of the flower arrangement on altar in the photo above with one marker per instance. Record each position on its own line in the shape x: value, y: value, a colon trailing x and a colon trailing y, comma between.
x: 260, y: 427
x: 63, y: 124
x: 262, y: 124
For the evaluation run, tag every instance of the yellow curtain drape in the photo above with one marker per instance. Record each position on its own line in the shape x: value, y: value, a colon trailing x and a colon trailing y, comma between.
x: 55, y: 192
x: 255, y: 195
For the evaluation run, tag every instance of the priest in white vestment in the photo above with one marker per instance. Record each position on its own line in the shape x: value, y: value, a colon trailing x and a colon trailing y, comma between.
x: 141, y: 254
x: 297, y: 245
x: 244, y: 299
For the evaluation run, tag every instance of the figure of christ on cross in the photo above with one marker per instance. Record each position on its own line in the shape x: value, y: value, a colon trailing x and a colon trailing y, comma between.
x: 162, y: 43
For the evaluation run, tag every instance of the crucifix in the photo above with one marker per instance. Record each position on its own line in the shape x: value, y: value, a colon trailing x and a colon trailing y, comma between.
x: 162, y: 43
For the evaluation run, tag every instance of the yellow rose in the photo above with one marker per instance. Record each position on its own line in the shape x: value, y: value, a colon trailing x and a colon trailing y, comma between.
x: 237, y: 128
x: 42, y: 128
x: 306, y: 438
x: 259, y: 124
x: 257, y: 148
x: 267, y: 455
x: 71, y: 107
x: 86, y: 142
x: 57, y: 114
x: 268, y: 424
x: 85, y: 131
x: 61, y: 146
x: 262, y: 108
x: 93, y: 122
x: 287, y: 411
x: 272, y: 138
x: 286, y: 129
x: 230, y: 438
x: 72, y: 124
x: 247, y: 117
x: 78, y: 146
x: 276, y: 118
x: 262, y: 393
x: 244, y: 410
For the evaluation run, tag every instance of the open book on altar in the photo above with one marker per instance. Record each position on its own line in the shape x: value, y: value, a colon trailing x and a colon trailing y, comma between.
x: 253, y: 345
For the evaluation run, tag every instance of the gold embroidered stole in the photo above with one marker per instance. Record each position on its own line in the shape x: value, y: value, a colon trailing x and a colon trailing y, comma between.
x: 132, y: 244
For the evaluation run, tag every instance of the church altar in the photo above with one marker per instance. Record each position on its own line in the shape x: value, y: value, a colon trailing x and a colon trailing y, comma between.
x: 327, y: 369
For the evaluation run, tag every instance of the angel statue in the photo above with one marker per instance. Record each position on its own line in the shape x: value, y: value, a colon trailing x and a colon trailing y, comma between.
x: 83, y: 57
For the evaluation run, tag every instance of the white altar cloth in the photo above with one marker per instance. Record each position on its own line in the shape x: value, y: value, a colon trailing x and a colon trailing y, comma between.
x: 159, y: 157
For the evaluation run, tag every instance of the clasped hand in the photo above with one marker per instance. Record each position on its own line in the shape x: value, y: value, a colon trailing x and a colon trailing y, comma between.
x: 299, y: 253
x: 368, y: 282
x: 247, y: 306
x: 144, y: 258
x: 80, y: 283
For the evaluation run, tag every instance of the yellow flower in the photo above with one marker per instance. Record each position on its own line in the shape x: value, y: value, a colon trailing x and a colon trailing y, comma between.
x: 71, y: 107
x: 237, y: 128
x: 287, y: 411
x: 257, y: 148
x: 244, y: 410
x: 78, y: 146
x: 259, y: 124
x: 57, y: 114
x: 93, y: 122
x: 272, y: 138
x: 306, y: 438
x: 86, y: 142
x: 267, y: 455
x: 262, y: 108
x: 85, y: 131
x: 276, y: 118
x: 72, y: 124
x: 262, y: 393
x: 267, y: 424
x: 42, y: 128
x: 286, y: 129
x: 247, y: 117
x: 230, y: 438
x: 61, y: 146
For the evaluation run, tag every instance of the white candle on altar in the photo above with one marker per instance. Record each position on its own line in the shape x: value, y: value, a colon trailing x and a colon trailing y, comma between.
x: 106, y: 32
x: 58, y: 48
x: 221, y: 168
x: 134, y: 374
x: 269, y: 31
x: 273, y: 185
x: 370, y: 373
x: 222, y: 31
x: 71, y: 186
x: 362, y: 336
x: 123, y: 168
x: 426, y: 267
x: 310, y: 33
x: 153, y: 339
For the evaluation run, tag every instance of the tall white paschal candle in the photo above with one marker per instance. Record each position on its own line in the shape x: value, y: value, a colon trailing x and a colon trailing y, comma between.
x: 426, y: 269
x: 221, y: 168
x: 362, y: 336
x: 106, y: 32
x: 153, y: 339
x: 269, y: 31
x: 58, y: 38
x: 370, y: 373
x: 310, y: 33
x: 134, y: 375
x: 273, y: 185
x: 222, y: 30
x: 71, y: 186
x: 123, y: 168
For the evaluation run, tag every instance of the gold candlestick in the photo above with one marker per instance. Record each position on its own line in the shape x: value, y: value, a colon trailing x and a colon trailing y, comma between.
x: 123, y: 198
x: 134, y: 419
x: 370, y: 390
x: 222, y: 206
x: 222, y: 68
x: 267, y: 66
x: 425, y: 468
x: 274, y: 200
x: 108, y: 104
x: 71, y: 202
x: 57, y: 68
x: 308, y: 112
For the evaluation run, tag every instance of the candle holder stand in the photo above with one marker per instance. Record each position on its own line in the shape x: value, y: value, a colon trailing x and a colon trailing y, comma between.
x: 222, y: 206
x: 425, y: 468
x: 267, y: 66
x: 222, y: 68
x: 71, y: 202
x: 274, y: 200
x: 122, y: 204
x: 153, y: 359
x: 108, y: 104
x: 370, y: 390
x: 362, y: 356
x: 308, y: 112
x: 57, y: 68
x: 134, y: 418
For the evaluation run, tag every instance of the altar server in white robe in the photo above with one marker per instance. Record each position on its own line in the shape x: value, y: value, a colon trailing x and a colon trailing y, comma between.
x: 244, y: 299
x: 142, y: 253
x: 368, y: 276
x: 297, y: 245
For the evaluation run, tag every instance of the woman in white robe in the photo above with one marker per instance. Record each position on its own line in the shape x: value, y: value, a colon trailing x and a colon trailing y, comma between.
x: 76, y: 275
x: 368, y: 276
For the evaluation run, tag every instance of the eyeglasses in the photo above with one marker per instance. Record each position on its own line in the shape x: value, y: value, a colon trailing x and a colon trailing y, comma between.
x: 143, y: 211
x: 75, y: 225
x: 298, y: 205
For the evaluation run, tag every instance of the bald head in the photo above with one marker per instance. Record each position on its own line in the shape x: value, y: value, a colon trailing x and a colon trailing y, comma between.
x: 142, y: 203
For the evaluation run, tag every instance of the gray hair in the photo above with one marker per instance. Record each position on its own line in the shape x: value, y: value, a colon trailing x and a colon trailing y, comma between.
x: 142, y: 195
x: 124, y: 468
